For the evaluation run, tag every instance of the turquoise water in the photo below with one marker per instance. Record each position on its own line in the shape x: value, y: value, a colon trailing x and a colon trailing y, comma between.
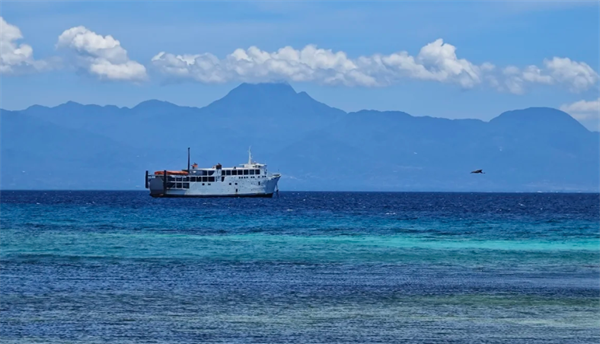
x: 97, y: 267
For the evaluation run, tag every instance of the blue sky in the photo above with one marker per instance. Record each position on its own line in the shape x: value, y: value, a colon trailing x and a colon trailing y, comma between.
x: 542, y: 53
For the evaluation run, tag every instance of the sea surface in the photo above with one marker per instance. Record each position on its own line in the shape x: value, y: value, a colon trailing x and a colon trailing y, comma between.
x: 122, y: 267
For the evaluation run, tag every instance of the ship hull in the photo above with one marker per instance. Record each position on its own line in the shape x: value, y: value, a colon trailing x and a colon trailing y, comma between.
x: 213, y: 196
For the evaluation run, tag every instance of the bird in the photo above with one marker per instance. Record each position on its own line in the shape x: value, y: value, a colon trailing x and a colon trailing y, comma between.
x: 478, y: 171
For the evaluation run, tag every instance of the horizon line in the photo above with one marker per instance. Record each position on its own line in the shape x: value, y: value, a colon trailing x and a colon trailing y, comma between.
x: 321, y: 191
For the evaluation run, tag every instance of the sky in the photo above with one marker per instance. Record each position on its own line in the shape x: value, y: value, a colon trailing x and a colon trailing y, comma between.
x: 468, y: 59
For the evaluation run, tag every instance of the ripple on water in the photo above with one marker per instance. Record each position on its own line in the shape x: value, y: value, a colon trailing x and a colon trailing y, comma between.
x: 90, y: 267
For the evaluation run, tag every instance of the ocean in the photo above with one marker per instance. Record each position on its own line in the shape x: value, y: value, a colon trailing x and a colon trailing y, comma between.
x: 122, y: 267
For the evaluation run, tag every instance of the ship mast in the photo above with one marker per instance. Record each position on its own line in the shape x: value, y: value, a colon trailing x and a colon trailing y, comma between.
x: 249, y: 155
x: 188, y: 160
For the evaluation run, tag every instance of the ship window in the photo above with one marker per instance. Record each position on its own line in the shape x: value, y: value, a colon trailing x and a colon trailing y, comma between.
x: 202, y: 183
x: 258, y: 183
x: 229, y: 183
x: 186, y: 185
x: 235, y: 183
x: 178, y: 186
x: 211, y: 179
x: 251, y: 172
x: 234, y: 173
x: 256, y: 171
x: 245, y: 172
x: 194, y: 179
x: 227, y: 172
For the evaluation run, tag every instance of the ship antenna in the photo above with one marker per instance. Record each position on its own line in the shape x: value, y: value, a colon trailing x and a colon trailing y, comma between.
x: 188, y: 159
x: 250, y: 155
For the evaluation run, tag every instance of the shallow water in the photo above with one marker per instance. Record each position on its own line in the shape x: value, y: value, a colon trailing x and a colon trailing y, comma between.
x: 121, y: 267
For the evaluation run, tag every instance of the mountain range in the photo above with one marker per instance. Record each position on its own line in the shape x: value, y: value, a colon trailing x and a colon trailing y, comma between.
x: 314, y: 146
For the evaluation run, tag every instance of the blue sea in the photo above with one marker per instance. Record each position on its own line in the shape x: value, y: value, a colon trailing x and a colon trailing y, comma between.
x: 122, y: 267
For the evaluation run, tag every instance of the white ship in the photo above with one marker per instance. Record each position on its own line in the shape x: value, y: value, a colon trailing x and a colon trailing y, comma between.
x: 248, y: 180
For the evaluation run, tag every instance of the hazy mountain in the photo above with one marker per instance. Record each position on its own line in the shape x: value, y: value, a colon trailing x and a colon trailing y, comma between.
x: 314, y: 146
x: 38, y: 154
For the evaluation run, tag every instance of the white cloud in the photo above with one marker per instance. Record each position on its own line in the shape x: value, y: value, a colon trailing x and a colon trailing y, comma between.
x: 105, y: 58
x: 586, y: 112
x: 102, y: 56
x: 576, y: 76
x: 16, y: 58
x: 437, y: 61
x: 583, y: 110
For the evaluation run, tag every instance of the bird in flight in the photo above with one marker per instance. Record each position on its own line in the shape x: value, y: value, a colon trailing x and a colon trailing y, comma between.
x: 478, y: 171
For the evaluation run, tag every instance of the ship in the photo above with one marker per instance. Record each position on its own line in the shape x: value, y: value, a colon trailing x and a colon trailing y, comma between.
x: 246, y: 180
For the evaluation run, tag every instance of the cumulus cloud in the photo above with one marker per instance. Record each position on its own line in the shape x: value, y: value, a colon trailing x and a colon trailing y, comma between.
x: 102, y: 56
x: 105, y: 58
x: 576, y: 76
x: 583, y: 110
x: 586, y: 112
x: 437, y: 61
x: 16, y: 58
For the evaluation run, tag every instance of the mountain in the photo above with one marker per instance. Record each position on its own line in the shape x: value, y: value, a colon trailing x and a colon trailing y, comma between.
x: 314, y: 146
x: 40, y: 155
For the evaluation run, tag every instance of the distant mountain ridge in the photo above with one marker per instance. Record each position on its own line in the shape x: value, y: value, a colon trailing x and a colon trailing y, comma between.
x: 313, y: 145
